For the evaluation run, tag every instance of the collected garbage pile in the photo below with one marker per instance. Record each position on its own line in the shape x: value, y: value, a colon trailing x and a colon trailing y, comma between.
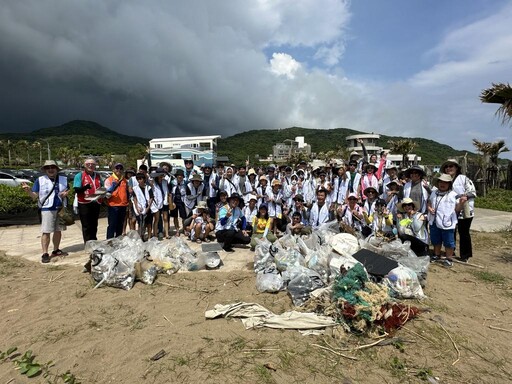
x: 356, y: 282
x: 121, y: 261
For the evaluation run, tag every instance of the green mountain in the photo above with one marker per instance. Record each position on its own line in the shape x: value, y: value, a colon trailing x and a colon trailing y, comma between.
x: 260, y: 142
x: 87, y: 136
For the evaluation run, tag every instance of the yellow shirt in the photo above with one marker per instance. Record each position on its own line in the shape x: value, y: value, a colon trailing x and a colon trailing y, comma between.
x: 260, y: 224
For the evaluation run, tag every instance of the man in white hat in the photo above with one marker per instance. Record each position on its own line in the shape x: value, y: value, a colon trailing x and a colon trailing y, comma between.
x: 51, y: 191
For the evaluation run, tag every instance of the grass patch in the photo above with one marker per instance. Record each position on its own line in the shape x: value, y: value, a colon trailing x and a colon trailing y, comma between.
x: 264, y: 375
x: 490, y: 277
x: 8, y: 263
x: 498, y: 199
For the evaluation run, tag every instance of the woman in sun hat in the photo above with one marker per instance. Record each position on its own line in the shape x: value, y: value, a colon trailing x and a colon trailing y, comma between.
x: 443, y: 210
x: 369, y: 179
x: 463, y: 186
x: 412, y: 226
x: 417, y: 187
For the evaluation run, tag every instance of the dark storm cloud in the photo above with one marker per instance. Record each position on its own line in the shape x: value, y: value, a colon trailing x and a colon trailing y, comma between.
x: 156, y: 68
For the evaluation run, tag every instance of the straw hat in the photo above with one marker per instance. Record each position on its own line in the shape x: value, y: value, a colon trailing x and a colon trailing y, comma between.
x: 195, y: 177
x: 202, y: 205
x: 276, y: 182
x: 406, y: 201
x: 450, y: 162
x: 443, y: 177
x: 49, y: 163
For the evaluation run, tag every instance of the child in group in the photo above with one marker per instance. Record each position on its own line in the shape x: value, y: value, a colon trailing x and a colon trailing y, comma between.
x: 261, y: 225
x: 142, y: 201
x: 274, y: 201
x: 223, y: 202
x: 380, y: 220
x: 201, y: 224
x: 296, y: 226
x: 250, y: 211
x: 443, y: 209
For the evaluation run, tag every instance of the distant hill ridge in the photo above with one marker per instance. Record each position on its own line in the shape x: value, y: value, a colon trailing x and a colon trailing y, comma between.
x: 94, y: 138
x: 260, y: 142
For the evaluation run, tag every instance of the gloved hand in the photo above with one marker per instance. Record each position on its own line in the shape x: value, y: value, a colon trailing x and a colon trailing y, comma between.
x: 108, y: 195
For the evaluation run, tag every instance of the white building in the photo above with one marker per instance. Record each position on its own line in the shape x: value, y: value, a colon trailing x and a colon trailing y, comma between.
x: 370, y: 142
x: 174, y: 150
x: 283, y: 151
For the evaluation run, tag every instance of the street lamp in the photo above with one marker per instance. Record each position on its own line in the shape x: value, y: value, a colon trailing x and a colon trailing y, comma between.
x: 48, y: 147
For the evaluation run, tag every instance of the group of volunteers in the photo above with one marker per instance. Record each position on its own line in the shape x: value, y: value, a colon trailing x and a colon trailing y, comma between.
x: 366, y: 196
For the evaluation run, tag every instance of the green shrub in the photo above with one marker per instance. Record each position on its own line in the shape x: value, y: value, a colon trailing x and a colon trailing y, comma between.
x: 15, y: 200
x: 498, y: 199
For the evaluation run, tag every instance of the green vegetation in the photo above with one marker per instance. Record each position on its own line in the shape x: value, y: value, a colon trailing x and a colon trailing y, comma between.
x: 490, y: 277
x: 27, y: 365
x: 69, y: 142
x: 498, y: 199
x: 15, y: 200
x: 237, y: 147
x: 73, y: 140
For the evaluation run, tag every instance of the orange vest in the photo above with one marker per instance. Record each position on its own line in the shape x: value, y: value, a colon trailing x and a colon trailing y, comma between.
x: 119, y: 197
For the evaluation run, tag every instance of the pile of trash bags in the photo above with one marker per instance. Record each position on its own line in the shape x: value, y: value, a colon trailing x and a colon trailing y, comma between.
x: 121, y: 261
x: 325, y: 259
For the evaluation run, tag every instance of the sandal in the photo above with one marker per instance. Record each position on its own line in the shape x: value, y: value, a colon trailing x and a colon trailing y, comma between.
x: 59, y: 252
x: 198, y: 241
x: 45, y: 258
x: 207, y: 240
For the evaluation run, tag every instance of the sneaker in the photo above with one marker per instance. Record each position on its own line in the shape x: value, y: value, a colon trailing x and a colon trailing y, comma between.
x: 447, y: 263
x: 229, y: 250
x: 434, y: 258
x: 45, y: 258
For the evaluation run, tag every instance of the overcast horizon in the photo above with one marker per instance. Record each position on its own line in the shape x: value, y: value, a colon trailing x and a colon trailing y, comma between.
x: 167, y: 68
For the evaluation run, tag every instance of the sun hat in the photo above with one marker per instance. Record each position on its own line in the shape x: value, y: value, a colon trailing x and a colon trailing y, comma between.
x: 392, y: 182
x: 298, y: 197
x: 416, y: 168
x: 354, y: 153
x: 195, y: 177
x: 407, y: 201
x: 263, y: 177
x: 450, y: 162
x: 444, y: 177
x: 235, y: 196
x: 157, y: 172
x: 163, y: 163
x: 264, y: 206
x: 390, y: 166
x: 179, y: 172
x: 202, y: 205
x: 276, y: 182
x: 352, y: 195
x: 371, y: 165
x: 251, y: 172
x: 370, y: 188
x: 49, y: 163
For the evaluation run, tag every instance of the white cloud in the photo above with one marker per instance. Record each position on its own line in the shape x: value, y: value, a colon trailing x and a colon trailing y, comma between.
x: 283, y: 64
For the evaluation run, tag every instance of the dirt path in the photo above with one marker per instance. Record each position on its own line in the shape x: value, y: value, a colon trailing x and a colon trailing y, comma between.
x: 108, y: 335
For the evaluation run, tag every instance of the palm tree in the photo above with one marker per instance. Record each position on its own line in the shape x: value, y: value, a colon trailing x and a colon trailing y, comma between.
x: 490, y: 151
x: 402, y: 147
x: 499, y: 93
x: 37, y: 144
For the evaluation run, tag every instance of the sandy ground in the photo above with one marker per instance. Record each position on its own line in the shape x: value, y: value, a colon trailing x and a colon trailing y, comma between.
x: 108, y: 335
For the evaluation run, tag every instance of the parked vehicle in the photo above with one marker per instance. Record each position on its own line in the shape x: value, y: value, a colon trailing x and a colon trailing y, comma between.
x: 13, y: 181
